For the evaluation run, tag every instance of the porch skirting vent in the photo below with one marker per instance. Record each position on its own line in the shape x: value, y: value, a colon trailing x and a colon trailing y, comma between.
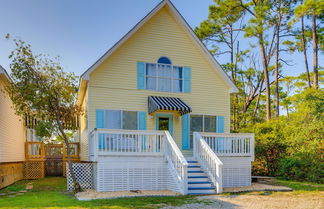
x: 167, y: 103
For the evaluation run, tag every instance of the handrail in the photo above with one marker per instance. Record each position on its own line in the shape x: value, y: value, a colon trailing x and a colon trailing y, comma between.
x: 34, y: 150
x: 177, y: 162
x: 230, y: 144
x: 209, y: 161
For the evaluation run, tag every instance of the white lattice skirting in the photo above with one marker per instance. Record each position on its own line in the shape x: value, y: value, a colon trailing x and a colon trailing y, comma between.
x: 236, y: 171
x: 134, y: 173
x: 83, y: 173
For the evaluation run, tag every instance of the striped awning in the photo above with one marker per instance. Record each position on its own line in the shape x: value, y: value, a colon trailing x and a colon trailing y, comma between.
x: 167, y: 103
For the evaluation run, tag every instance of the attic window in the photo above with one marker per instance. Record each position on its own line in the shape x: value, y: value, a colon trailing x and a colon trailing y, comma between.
x: 164, y: 60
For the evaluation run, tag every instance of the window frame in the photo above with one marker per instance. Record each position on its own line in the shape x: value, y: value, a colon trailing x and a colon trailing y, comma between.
x: 121, y: 118
x: 157, y: 77
x: 203, y: 126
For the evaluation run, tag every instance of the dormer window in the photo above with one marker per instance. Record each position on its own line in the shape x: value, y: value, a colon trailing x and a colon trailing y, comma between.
x: 163, y: 76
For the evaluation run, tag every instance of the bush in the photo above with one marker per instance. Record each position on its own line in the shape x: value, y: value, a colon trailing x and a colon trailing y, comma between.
x: 293, y: 147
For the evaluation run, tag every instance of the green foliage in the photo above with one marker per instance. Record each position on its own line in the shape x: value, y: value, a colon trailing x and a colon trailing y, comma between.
x: 292, y: 147
x: 44, y: 129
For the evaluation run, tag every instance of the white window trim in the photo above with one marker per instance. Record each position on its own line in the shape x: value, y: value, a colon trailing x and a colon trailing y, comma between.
x: 157, y: 77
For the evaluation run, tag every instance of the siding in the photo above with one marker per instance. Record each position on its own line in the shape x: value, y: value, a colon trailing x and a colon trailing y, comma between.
x: 113, y: 85
x: 12, y: 130
x: 84, y: 129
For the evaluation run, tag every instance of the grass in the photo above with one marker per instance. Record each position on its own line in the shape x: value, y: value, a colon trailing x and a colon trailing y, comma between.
x: 50, y: 193
x: 301, y: 186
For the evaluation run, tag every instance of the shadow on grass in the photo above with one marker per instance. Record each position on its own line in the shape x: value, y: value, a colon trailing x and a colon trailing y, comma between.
x: 51, y: 192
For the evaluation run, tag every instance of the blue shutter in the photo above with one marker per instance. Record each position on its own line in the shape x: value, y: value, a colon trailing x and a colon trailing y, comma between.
x: 140, y: 75
x: 185, y: 132
x: 220, y: 124
x: 141, y: 120
x: 100, y: 118
x: 187, y: 79
x: 141, y: 123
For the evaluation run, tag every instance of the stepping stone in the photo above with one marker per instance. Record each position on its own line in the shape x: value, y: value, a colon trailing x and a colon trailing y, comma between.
x: 2, y: 194
x: 12, y: 196
x: 23, y: 191
x: 29, y: 187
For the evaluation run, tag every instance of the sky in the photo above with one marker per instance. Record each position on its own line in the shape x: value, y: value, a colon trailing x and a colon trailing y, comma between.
x: 81, y: 31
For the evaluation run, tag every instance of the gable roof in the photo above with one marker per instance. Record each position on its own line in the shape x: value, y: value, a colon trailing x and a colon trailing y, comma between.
x: 3, y: 73
x: 182, y: 21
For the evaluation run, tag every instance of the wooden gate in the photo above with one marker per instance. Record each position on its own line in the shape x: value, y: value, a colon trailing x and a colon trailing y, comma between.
x: 54, y: 159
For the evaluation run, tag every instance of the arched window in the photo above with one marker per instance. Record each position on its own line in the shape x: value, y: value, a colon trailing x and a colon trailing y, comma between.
x: 164, y: 60
x: 163, y: 76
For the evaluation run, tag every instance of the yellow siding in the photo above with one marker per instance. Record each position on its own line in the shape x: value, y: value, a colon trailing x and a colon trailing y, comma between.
x: 12, y: 130
x: 84, y: 129
x: 113, y: 85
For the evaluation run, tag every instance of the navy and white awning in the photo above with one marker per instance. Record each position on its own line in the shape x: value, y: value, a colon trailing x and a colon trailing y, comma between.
x: 167, y: 103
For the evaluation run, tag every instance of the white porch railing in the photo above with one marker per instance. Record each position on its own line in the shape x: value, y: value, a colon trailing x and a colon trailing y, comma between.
x: 209, y: 161
x: 106, y: 142
x: 176, y: 162
x: 125, y: 142
x: 232, y: 144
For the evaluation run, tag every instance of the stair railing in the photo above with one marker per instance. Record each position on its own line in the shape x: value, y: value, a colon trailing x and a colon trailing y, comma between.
x: 209, y: 161
x: 176, y: 163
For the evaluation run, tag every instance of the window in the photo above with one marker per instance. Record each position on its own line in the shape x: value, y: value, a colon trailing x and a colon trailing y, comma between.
x: 118, y: 119
x: 164, y: 60
x: 201, y: 123
x: 130, y: 120
x: 163, y: 76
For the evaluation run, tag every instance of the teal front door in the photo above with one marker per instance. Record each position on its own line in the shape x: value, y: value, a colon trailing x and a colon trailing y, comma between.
x: 164, y: 122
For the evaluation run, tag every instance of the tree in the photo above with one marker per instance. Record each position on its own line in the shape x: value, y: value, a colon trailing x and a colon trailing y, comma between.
x: 40, y: 88
x: 221, y: 33
x: 283, y: 11
x: 315, y: 10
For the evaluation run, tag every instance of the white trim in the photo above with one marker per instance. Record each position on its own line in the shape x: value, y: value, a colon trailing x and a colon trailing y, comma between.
x: 218, y: 68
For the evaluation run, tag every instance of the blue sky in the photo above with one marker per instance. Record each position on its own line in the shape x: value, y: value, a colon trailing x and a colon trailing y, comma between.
x: 80, y: 31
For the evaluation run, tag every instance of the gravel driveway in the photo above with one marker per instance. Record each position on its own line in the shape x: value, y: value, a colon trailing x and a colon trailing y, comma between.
x: 280, y: 200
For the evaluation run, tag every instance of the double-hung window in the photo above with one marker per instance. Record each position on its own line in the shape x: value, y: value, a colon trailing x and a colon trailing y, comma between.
x: 164, y: 77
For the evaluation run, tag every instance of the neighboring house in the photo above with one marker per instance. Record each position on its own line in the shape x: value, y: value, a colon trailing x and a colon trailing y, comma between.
x: 159, y: 77
x: 12, y: 137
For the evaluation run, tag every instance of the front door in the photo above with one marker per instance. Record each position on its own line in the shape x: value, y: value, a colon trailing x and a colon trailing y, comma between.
x: 164, y: 122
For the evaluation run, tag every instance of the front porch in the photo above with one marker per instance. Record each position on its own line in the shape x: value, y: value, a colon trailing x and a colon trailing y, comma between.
x: 151, y: 160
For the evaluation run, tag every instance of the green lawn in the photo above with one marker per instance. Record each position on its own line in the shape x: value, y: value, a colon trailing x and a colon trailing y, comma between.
x: 50, y: 192
x: 301, y: 186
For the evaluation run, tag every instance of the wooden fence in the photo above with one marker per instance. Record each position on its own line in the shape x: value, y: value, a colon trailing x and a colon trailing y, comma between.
x: 47, y: 159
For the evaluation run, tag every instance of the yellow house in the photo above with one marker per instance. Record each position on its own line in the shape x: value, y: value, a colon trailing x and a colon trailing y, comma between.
x: 157, y: 113
x: 12, y: 137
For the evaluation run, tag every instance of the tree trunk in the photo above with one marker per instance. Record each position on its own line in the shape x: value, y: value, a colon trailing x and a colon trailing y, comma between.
x: 315, y: 51
x: 304, y: 48
x: 258, y: 100
x: 276, y: 70
x: 76, y: 185
x: 266, y: 76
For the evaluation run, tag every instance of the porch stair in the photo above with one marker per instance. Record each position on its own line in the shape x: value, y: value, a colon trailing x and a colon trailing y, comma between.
x: 198, y: 181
